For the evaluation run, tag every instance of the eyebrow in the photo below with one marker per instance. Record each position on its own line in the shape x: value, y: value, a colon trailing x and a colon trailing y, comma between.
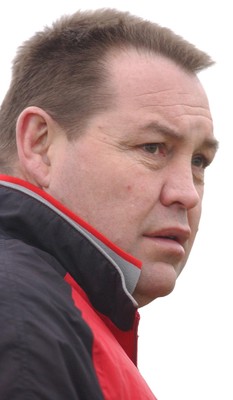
x: 211, y: 144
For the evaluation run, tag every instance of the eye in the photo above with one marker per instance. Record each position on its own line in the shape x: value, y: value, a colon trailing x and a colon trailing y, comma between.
x: 200, y: 161
x: 154, y: 148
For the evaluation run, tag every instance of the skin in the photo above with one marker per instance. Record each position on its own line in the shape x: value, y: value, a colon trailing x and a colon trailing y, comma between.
x: 137, y: 174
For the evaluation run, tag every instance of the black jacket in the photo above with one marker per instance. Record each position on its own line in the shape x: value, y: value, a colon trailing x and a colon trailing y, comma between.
x: 68, y: 320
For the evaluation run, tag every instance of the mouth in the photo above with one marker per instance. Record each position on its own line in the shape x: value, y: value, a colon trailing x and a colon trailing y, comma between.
x: 179, y: 236
x: 166, y: 247
x: 169, y: 237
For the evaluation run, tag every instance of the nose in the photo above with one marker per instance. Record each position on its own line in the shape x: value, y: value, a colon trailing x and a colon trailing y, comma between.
x: 179, y: 187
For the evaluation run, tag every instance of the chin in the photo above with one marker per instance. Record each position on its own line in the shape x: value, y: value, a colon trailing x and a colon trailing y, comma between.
x: 154, y: 287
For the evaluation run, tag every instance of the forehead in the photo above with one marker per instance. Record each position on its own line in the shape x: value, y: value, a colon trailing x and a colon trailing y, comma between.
x: 152, y: 87
x: 138, y: 73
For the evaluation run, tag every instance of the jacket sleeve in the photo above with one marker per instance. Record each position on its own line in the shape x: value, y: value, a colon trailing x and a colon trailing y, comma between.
x: 45, y: 346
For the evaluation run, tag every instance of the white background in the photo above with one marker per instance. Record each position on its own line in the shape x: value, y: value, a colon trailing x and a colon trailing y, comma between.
x: 185, y: 341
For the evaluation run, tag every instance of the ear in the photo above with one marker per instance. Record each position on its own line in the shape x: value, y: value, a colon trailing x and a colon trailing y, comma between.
x: 33, y: 140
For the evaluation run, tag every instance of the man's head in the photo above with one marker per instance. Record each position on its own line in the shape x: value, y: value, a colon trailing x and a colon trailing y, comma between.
x: 126, y: 147
x: 63, y: 69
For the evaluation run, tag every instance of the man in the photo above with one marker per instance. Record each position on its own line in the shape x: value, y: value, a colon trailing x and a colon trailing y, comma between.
x: 105, y: 136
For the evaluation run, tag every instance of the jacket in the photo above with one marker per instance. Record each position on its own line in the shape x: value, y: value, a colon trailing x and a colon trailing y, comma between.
x: 68, y: 319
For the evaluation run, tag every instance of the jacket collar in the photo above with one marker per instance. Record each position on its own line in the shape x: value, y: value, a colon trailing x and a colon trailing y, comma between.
x: 106, y: 273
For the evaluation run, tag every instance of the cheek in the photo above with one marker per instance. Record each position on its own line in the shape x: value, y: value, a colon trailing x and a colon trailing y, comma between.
x: 136, y: 193
x: 194, y: 216
x: 140, y: 195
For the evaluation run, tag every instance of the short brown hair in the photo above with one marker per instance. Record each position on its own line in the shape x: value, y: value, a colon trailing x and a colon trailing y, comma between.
x: 63, y: 68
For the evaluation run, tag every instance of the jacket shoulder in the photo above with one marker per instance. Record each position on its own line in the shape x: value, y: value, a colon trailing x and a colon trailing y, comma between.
x: 44, y: 343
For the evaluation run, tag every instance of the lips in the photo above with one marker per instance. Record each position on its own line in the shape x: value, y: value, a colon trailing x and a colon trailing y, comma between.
x: 179, y: 235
